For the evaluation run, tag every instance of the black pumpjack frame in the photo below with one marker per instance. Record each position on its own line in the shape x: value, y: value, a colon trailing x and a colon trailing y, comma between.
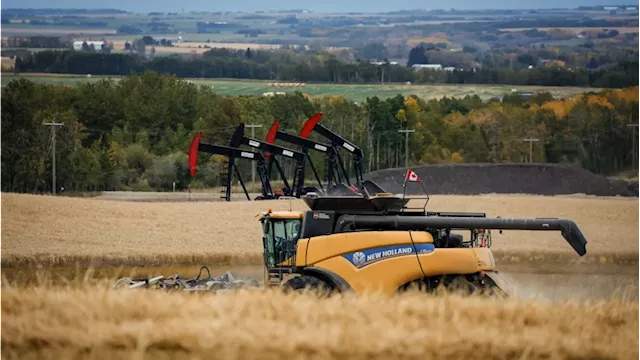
x: 338, y: 142
x: 232, y: 153
x: 272, y: 152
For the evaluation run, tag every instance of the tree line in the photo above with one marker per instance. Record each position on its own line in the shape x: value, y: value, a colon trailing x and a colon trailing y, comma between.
x: 307, y: 67
x: 133, y: 134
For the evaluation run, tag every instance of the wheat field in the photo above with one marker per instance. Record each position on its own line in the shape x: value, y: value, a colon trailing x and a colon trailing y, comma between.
x: 99, y: 323
x: 58, y: 230
x: 83, y: 317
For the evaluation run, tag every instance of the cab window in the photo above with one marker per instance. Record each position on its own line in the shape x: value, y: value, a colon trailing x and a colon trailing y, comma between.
x: 281, y: 236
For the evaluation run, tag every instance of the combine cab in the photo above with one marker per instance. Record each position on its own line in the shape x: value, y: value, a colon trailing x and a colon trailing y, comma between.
x: 378, y: 243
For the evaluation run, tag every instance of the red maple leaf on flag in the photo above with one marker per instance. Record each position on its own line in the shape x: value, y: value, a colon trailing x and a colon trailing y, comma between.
x: 411, y: 176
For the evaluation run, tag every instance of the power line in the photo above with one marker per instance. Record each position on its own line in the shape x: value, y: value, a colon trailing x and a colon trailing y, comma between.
x: 633, y: 147
x: 253, y: 165
x: 406, y: 145
x: 531, y: 141
x: 53, y: 152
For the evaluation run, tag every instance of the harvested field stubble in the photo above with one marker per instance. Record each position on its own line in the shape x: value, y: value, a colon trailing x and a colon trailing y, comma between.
x: 95, y: 322
x: 62, y: 231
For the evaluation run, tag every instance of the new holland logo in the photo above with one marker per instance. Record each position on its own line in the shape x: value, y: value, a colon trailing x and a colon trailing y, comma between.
x: 358, y: 258
x: 367, y: 257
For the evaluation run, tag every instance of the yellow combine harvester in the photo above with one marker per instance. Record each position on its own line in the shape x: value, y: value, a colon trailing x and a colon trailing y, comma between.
x: 378, y: 243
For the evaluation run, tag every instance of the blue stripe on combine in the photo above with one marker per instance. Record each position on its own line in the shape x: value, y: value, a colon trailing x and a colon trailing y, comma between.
x: 366, y: 257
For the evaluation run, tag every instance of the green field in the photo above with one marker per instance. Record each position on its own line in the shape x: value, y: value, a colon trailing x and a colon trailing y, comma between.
x: 351, y: 91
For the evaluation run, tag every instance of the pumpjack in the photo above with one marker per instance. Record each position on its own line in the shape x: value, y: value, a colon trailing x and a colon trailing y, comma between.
x: 335, y: 173
x: 333, y: 177
x: 337, y: 142
x: 232, y: 153
x: 272, y: 151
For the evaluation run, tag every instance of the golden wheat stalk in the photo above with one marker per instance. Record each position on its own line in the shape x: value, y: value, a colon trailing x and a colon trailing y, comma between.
x: 99, y: 322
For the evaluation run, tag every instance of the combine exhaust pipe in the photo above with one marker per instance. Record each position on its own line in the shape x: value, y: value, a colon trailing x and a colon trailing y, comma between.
x: 568, y: 228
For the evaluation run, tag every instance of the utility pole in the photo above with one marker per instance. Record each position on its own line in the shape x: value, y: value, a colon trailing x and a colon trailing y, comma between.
x: 406, y: 145
x: 633, y: 148
x: 253, y: 165
x: 53, y: 152
x: 530, y: 140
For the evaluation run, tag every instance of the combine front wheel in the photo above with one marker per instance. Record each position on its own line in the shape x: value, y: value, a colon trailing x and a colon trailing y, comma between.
x: 305, y: 283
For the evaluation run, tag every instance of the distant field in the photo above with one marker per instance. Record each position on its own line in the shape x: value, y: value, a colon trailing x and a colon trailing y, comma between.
x: 576, y: 30
x: 198, y: 47
x: 52, y: 30
x: 196, y: 37
x: 350, y: 91
x: 7, y: 63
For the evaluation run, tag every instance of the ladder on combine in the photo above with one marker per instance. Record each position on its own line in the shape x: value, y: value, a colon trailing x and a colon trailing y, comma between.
x: 275, y: 276
x: 274, y: 279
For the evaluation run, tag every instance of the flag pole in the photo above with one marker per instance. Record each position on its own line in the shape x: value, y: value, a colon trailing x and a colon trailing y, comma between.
x: 425, y: 192
x: 404, y: 189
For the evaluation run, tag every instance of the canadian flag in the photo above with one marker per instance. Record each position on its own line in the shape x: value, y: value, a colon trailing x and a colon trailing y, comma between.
x: 411, y: 176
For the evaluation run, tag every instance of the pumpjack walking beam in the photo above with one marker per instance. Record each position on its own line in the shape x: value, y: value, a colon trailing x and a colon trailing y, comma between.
x: 275, y: 151
x: 337, y: 142
x: 332, y: 173
x: 231, y: 153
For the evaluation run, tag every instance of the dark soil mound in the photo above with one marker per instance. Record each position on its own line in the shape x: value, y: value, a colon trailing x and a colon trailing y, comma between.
x: 473, y: 179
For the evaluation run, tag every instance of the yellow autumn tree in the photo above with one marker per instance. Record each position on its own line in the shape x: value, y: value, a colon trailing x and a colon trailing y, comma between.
x: 599, y: 100
x: 218, y: 159
x: 115, y: 154
x: 436, y: 154
x: 556, y: 63
x: 412, y: 109
x: 630, y: 94
x: 455, y: 118
x: 561, y: 107
x: 480, y: 116
x: 337, y: 99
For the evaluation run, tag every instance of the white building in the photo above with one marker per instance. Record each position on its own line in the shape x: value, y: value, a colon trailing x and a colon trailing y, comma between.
x: 382, y: 63
x: 97, y: 45
x: 427, y: 66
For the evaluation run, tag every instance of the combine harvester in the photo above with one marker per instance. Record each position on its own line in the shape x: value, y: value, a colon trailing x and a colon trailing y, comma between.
x: 377, y: 243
